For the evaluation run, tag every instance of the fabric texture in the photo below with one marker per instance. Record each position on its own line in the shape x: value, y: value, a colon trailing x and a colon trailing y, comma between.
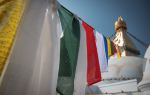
x: 109, y: 44
x: 33, y: 65
x: 118, y: 52
x: 10, y: 16
x: 68, y: 52
x: 114, y: 50
x: 102, y: 55
x: 80, y: 82
x: 93, y: 68
x: 106, y: 46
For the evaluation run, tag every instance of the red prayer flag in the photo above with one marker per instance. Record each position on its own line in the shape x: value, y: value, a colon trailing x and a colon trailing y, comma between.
x: 114, y: 48
x: 93, y: 68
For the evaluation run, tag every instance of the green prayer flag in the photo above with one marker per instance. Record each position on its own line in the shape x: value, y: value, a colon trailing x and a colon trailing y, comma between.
x: 69, y: 48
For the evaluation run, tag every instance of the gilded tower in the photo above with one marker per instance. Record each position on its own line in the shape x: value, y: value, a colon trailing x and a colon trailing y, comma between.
x: 122, y: 41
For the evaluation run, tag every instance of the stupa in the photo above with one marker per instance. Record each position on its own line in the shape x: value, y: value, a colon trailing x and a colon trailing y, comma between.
x: 127, y: 75
x: 122, y: 40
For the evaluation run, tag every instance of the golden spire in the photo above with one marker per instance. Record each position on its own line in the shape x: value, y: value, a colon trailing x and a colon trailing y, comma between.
x: 120, y: 23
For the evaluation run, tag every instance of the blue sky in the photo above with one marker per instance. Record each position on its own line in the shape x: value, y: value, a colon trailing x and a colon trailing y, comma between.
x: 102, y: 14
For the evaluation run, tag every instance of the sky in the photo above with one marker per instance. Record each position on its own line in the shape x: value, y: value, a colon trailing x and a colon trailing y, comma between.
x: 102, y: 14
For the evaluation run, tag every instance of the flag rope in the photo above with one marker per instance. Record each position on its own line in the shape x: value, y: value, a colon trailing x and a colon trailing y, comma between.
x: 76, y: 16
x: 138, y: 40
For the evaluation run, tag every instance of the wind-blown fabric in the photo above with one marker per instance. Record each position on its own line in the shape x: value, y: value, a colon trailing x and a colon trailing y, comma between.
x: 80, y: 82
x: 114, y: 50
x: 93, y: 68
x: 68, y: 52
x: 109, y: 47
x: 106, y: 47
x: 10, y: 15
x: 118, y: 52
x: 34, y: 61
x: 102, y: 55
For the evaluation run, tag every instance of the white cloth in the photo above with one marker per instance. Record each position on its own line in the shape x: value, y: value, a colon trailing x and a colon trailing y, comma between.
x: 81, y: 69
x: 34, y: 62
x: 101, y: 52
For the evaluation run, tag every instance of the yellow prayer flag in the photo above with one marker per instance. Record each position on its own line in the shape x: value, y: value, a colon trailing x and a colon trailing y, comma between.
x: 10, y: 15
x: 118, y: 52
x: 109, y: 47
